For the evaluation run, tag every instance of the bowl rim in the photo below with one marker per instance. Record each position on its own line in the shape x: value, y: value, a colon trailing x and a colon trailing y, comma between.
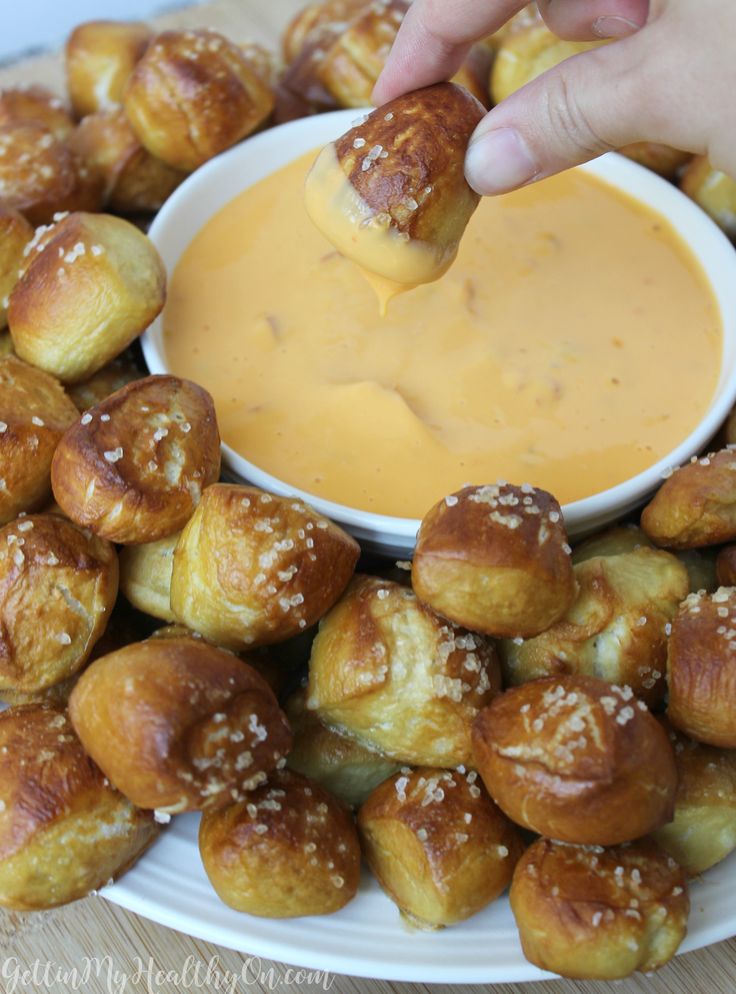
x: 704, y: 239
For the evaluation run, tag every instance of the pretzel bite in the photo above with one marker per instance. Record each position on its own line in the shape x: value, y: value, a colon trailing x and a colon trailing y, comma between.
x: 726, y: 566
x: 34, y: 414
x: 616, y: 629
x: 40, y: 175
x: 37, y: 104
x: 133, y: 468
x: 526, y: 53
x: 701, y: 668
x: 473, y: 73
x: 438, y: 845
x: 300, y: 92
x: 523, y: 19
x: 696, y: 505
x: 104, y: 382
x: 15, y: 234
x: 179, y: 725
x: 252, y: 568
x: 599, y: 914
x: 262, y: 61
x: 93, y: 285
x: 391, y: 194
x: 64, y: 831
x: 193, y: 95
x: 576, y: 759
x: 343, y: 766
x: 290, y: 849
x: 495, y: 559
x: 100, y: 56
x: 145, y: 576
x: 133, y: 180
x: 712, y: 190
x: 389, y: 672
x: 661, y: 159
x: 611, y: 542
x: 314, y: 18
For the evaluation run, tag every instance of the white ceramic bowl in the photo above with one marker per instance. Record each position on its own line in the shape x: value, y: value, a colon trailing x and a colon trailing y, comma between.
x: 216, y: 183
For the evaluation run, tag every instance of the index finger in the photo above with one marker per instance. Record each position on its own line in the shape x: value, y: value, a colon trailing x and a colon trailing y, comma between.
x: 435, y: 38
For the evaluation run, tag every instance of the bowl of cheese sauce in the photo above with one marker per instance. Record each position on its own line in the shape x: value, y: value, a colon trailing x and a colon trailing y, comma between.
x: 584, y: 341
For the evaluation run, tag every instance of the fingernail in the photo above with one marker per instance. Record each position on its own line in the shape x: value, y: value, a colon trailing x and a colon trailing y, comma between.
x: 498, y: 161
x: 614, y: 26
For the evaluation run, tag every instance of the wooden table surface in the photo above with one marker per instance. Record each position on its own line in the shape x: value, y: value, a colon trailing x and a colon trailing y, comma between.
x: 111, y: 951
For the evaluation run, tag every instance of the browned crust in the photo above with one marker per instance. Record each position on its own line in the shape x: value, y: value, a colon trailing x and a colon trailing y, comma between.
x: 102, y: 50
x: 37, y: 105
x: 314, y: 17
x: 15, y: 233
x: 576, y: 759
x: 105, y: 382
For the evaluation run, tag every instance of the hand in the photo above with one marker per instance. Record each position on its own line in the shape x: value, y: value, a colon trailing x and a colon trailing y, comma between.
x: 669, y: 77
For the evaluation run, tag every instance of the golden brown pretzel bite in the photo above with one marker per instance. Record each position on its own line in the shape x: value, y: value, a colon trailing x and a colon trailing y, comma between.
x: 145, y: 576
x: 496, y: 560
x: 34, y: 414
x: 599, y: 914
x: 391, y: 193
x: 193, y: 95
x: 64, y: 831
x: 701, y: 668
x: 58, y: 585
x: 288, y: 849
x: 398, y: 678
x: 38, y: 105
x: 252, y: 568
x: 576, y: 759
x: 133, y: 468
x: 179, y: 725
x: 527, y: 52
x: 100, y: 56
x: 106, y: 381
x: 438, y: 845
x: 94, y: 283
x: 15, y: 234
x: 314, y: 17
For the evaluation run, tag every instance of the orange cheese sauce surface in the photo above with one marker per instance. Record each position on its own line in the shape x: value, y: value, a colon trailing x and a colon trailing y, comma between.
x: 574, y: 342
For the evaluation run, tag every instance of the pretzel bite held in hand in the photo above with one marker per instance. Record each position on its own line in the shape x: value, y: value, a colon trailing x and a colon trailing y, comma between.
x: 15, y: 234
x: 106, y: 381
x: 599, y: 914
x: 100, y: 56
x: 496, y: 560
x: 179, y: 725
x: 339, y: 763
x: 290, y: 849
x: 34, y: 414
x: 438, y: 845
x: 58, y: 585
x: 64, y: 831
x: 145, y: 576
x: 615, y: 629
x: 696, y: 505
x: 576, y: 759
x: 252, y: 568
x: 133, y: 468
x: 38, y: 105
x: 133, y: 180
x: 398, y: 678
x: 391, y: 195
x: 701, y: 668
x: 193, y: 95
x: 712, y: 190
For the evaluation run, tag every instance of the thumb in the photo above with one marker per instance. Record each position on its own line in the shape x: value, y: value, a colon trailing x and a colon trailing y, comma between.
x: 589, y: 104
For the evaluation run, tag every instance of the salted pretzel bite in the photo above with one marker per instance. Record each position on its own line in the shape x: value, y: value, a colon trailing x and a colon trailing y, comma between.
x: 193, y: 95
x: 314, y: 17
x: 133, y: 180
x: 289, y: 849
x: 703, y: 831
x: 95, y: 285
x: 712, y: 190
x: 696, y: 505
x: 495, y: 559
x: 64, y: 831
x: 58, y: 585
x: 438, y: 845
x: 342, y: 765
x: 40, y: 175
x: 106, y: 381
x: 253, y: 568
x: 133, y: 468
x: 576, y: 759
x: 145, y: 576
x: 34, y: 414
x: 615, y: 629
x: 15, y: 234
x: 37, y: 104
x: 599, y: 914
x: 388, y: 671
x: 179, y: 725
x: 701, y: 668
x: 391, y: 193
x: 100, y: 56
